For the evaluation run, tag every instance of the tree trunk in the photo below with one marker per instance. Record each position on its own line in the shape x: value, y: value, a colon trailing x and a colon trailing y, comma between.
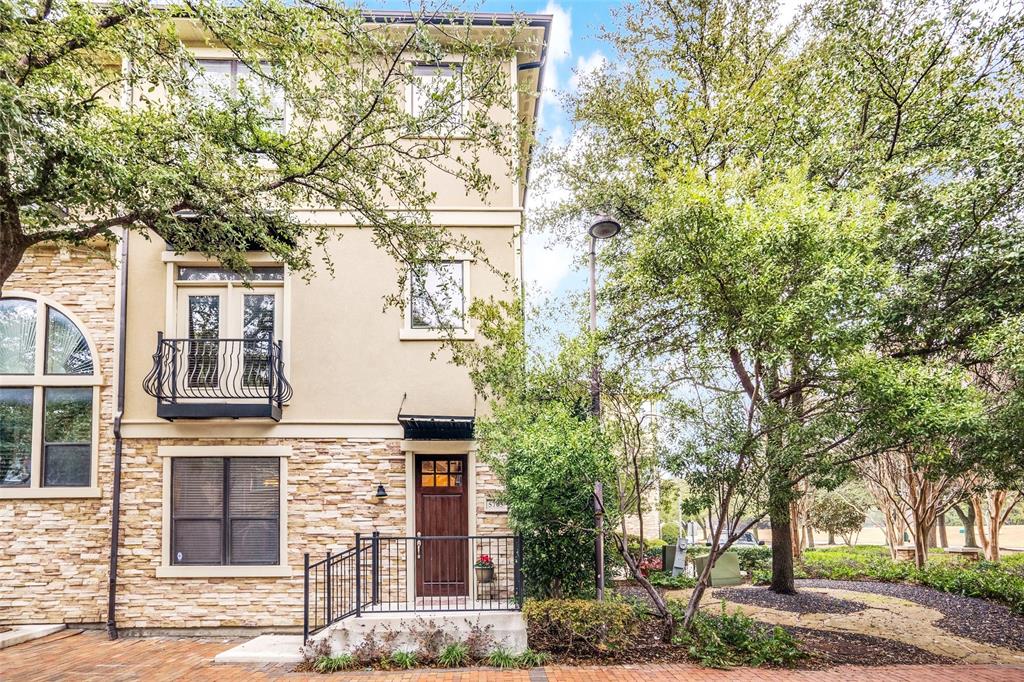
x: 943, y: 540
x: 809, y: 531
x: 659, y: 602
x: 782, y: 551
x: 796, y: 537
x: 933, y: 539
x: 920, y: 542
x: 12, y: 249
x: 979, y: 524
x: 967, y: 521
x: 831, y: 537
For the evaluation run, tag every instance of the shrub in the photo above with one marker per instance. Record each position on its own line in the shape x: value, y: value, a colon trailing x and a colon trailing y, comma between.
x: 312, y: 651
x: 332, y: 664
x: 403, y: 659
x: 670, y: 533
x: 754, y: 558
x: 480, y: 640
x: 429, y: 638
x: 985, y: 580
x: 568, y: 624
x: 532, y: 659
x: 665, y: 579
x: 503, y: 658
x: 728, y: 640
x: 454, y: 655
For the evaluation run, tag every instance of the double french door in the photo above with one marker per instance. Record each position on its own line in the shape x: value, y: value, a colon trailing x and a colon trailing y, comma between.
x: 229, y: 334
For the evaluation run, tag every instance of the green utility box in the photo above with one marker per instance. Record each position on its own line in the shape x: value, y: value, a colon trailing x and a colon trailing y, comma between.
x: 725, y: 572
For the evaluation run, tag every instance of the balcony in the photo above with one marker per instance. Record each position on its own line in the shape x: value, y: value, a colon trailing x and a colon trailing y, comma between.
x: 217, y: 378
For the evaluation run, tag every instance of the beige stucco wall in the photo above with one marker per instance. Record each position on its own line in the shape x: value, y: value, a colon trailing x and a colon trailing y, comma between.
x: 344, y: 358
x: 54, y: 552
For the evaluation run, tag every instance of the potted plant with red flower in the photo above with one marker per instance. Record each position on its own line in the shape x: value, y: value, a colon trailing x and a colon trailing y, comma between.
x: 484, y: 568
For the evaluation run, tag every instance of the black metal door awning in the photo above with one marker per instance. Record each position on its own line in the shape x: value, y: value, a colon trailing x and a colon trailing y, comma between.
x: 435, y: 427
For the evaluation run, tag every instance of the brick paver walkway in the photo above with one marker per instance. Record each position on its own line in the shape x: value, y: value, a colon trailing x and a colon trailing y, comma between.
x: 90, y: 657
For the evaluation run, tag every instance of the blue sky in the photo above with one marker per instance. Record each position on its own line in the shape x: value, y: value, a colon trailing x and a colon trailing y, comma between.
x: 573, y: 48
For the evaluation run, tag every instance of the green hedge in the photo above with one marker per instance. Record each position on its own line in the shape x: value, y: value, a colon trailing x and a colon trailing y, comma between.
x: 751, y: 558
x: 1001, y: 582
x: 576, y: 625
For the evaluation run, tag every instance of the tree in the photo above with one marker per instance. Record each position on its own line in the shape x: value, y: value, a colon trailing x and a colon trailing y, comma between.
x: 543, y: 446
x: 840, y: 511
x: 912, y: 106
x: 107, y: 123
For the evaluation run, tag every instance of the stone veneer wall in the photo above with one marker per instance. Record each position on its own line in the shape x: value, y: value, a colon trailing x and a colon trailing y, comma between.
x: 331, y: 485
x: 54, y: 552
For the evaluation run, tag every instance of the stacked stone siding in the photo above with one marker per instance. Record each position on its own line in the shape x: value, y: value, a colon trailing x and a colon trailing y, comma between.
x: 331, y: 484
x: 54, y: 553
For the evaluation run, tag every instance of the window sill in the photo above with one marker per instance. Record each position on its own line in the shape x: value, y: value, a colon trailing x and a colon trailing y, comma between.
x: 435, y: 334
x: 47, y: 493
x: 223, y: 572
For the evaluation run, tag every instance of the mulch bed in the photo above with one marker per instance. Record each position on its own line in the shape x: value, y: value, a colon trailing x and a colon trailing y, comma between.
x: 979, y: 620
x: 801, y: 602
x: 824, y: 647
x: 828, y: 648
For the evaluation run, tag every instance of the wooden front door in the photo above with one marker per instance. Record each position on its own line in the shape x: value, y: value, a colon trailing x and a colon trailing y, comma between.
x: 442, y: 566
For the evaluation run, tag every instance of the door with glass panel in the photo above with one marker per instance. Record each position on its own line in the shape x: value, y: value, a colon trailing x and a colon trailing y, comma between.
x: 228, y: 335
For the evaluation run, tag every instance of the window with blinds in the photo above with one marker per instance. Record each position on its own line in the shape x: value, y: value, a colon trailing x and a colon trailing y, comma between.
x: 225, y: 511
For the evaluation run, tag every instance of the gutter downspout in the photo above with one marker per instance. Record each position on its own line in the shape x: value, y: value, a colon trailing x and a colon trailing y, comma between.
x: 115, y: 512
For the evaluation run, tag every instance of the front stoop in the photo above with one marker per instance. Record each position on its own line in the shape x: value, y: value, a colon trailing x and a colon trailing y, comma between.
x: 26, y: 633
x: 264, y: 649
x: 507, y: 627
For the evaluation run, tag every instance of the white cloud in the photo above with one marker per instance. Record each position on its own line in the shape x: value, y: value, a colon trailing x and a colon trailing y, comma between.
x: 559, y: 49
x: 585, y: 66
x: 550, y: 263
x: 560, y: 35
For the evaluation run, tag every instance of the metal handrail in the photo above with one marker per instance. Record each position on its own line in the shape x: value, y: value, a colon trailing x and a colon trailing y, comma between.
x: 389, y: 574
x: 218, y: 369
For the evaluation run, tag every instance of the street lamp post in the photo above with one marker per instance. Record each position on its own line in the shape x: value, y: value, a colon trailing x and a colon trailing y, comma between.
x: 603, y: 227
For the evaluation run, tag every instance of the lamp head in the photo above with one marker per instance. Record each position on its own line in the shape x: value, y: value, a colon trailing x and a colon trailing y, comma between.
x: 604, y: 227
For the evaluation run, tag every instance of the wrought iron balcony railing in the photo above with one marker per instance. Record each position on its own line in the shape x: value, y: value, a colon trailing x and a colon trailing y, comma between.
x: 209, y: 378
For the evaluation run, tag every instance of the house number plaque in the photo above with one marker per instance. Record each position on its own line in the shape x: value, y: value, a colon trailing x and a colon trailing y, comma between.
x: 493, y: 506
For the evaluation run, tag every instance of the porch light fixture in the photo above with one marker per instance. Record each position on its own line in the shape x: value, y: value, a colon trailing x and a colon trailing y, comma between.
x: 604, y: 227
x: 381, y: 493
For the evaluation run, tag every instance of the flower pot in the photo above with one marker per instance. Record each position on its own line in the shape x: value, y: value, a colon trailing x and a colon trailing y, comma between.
x: 485, y: 575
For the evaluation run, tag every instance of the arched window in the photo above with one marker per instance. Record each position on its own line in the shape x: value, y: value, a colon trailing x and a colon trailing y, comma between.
x: 49, y: 402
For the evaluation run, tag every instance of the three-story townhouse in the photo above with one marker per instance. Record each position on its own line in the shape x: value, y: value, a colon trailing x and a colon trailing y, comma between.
x: 260, y: 427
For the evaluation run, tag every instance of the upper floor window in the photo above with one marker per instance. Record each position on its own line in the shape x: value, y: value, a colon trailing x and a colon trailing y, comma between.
x: 49, y: 396
x: 217, y: 80
x: 438, y: 296
x: 436, y: 92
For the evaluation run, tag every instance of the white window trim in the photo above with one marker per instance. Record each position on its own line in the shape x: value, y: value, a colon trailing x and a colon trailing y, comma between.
x: 410, y: 95
x: 38, y: 381
x: 172, y: 260
x: 235, y: 63
x: 465, y: 333
x: 166, y: 570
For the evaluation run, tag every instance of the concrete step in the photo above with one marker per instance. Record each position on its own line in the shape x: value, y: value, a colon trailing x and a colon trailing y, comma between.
x: 508, y: 628
x: 264, y: 649
x: 26, y: 633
